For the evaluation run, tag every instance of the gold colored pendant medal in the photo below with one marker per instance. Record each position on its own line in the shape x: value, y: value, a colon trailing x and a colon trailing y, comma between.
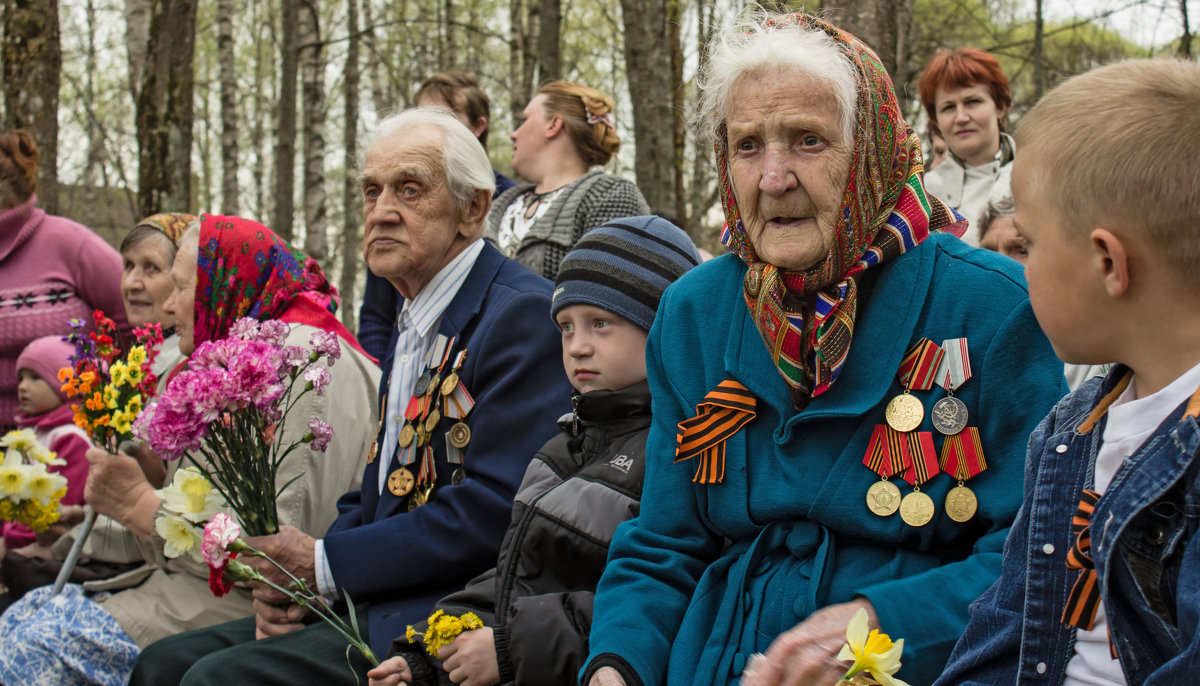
x: 904, y: 413
x: 432, y: 420
x: 450, y: 384
x: 883, y: 498
x: 961, y: 503
x: 916, y: 509
x: 400, y: 482
x: 372, y: 452
x: 406, y: 435
x: 460, y: 435
x: 435, y: 385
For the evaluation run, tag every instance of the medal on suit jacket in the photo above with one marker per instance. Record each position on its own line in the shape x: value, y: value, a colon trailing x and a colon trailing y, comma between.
x: 949, y: 414
x: 917, y: 373
x: 457, y: 403
x: 373, y: 451
x: 962, y: 458
x: 887, y: 454
x: 916, y: 509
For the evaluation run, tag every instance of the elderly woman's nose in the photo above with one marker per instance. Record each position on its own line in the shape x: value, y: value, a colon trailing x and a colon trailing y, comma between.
x: 777, y: 176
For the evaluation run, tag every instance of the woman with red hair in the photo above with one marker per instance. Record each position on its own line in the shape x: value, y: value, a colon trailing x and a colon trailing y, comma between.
x: 966, y: 95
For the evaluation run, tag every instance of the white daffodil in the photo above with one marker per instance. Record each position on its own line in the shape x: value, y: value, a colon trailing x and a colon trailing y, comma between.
x: 43, y: 484
x: 179, y: 535
x: 191, y: 496
x: 14, y: 479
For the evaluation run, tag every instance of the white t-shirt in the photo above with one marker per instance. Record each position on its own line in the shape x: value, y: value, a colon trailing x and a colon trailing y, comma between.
x: 517, y: 218
x: 1130, y: 422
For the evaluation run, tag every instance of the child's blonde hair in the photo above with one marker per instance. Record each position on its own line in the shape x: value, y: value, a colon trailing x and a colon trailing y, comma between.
x: 1119, y: 146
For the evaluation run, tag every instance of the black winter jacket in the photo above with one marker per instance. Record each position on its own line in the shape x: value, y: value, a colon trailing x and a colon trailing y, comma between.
x: 538, y: 598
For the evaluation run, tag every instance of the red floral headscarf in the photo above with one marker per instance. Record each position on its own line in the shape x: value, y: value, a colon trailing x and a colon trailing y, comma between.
x: 885, y: 212
x: 244, y: 270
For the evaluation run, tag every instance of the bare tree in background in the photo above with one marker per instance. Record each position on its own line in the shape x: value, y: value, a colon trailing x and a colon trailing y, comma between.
x: 312, y: 62
x: 351, y: 202
x: 165, y: 110
x: 229, y: 109
x: 31, y: 75
x: 137, y: 39
x: 285, y: 133
x: 1185, y: 41
x: 881, y: 24
x: 648, y: 55
x: 549, y: 41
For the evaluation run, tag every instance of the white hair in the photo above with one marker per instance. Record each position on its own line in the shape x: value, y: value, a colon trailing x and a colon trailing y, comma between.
x: 748, y: 47
x: 465, y: 162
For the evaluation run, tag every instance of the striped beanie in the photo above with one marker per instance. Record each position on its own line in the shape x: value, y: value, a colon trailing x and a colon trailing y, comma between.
x: 623, y: 267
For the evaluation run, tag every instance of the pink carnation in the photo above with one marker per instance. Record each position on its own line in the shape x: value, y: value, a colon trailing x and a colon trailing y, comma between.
x: 326, y: 343
x: 274, y: 332
x: 319, y: 377
x: 321, y: 432
x: 244, y: 329
x: 220, y: 531
x: 295, y: 357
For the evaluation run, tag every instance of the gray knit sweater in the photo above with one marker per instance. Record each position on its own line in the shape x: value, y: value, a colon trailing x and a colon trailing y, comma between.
x: 583, y: 204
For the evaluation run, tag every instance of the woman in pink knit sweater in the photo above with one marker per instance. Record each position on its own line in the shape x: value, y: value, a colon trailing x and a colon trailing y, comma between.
x: 51, y: 268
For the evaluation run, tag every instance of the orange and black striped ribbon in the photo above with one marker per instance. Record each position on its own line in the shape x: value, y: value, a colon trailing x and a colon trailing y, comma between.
x: 724, y: 411
x: 962, y: 454
x: 923, y: 461
x: 918, y: 369
x: 1084, y: 599
x: 888, y: 443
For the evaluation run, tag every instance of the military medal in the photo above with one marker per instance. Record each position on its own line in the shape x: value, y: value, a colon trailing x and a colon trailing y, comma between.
x: 917, y: 373
x: 962, y: 458
x: 400, y: 482
x: 406, y: 436
x: 373, y: 451
x: 917, y: 508
x: 950, y: 413
x: 886, y: 455
x: 432, y: 420
x: 459, y: 435
x: 422, y: 384
x: 450, y: 383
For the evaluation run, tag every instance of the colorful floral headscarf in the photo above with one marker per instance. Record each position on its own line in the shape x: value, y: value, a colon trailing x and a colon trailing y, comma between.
x: 885, y: 212
x: 244, y: 270
x: 172, y: 225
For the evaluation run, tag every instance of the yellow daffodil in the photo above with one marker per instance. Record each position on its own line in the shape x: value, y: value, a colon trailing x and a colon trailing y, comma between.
x: 179, y: 535
x: 24, y: 440
x: 135, y: 375
x: 119, y: 373
x: 191, y: 496
x: 872, y: 652
x: 123, y: 421
x: 43, y: 484
x: 14, y: 480
x: 112, y: 396
x: 134, y: 405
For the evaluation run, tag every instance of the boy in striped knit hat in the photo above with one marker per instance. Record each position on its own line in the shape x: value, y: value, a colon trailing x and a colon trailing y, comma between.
x: 536, y: 605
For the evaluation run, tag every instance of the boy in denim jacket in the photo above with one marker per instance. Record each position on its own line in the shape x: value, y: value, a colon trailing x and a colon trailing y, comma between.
x: 1101, y: 573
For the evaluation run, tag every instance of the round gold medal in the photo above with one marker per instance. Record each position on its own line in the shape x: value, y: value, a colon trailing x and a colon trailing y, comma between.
x: 434, y: 385
x: 883, y: 498
x: 916, y: 509
x: 460, y: 435
x: 400, y: 482
x: 406, y: 435
x: 904, y: 413
x: 432, y: 420
x: 422, y: 436
x: 961, y: 503
x: 450, y: 384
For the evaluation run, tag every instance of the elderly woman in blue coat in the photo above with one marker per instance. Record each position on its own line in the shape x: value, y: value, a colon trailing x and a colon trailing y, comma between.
x: 841, y: 404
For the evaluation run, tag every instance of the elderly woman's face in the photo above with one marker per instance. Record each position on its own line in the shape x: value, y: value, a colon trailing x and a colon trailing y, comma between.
x: 788, y: 164
x: 146, y: 281
x: 181, y: 304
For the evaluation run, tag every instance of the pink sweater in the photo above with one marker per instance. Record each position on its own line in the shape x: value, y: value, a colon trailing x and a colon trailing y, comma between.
x: 51, y: 270
x: 56, y: 430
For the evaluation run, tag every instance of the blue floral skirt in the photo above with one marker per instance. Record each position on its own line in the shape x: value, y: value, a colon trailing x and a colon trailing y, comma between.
x: 66, y: 640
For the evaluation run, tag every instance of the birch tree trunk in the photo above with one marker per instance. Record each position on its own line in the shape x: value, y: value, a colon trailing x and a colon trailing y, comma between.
x: 316, y: 243
x: 649, y: 69
x: 263, y: 28
x: 229, y: 109
x: 549, y: 41
x: 31, y: 76
x: 378, y: 95
x: 285, y: 141
x: 137, y: 39
x: 164, y: 110
x: 351, y: 207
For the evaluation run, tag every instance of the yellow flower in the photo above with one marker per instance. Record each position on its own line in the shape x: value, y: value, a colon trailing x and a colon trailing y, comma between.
x: 135, y: 376
x: 111, y: 396
x: 134, y: 406
x: 137, y: 357
x: 871, y: 652
x: 410, y: 633
x: 191, y: 496
x: 42, y: 485
x: 444, y: 628
x: 119, y: 373
x: 180, y: 536
x: 122, y: 421
x: 14, y: 479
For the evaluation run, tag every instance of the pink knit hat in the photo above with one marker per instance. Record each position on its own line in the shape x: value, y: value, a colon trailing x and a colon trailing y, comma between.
x: 44, y: 357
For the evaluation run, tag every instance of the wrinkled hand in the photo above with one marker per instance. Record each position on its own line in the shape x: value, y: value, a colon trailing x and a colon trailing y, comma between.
x: 807, y: 653
x: 115, y: 487
x: 606, y: 676
x: 390, y: 672
x: 295, y: 550
x: 471, y: 659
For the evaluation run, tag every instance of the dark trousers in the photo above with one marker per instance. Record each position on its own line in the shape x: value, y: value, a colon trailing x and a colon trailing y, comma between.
x: 227, y: 654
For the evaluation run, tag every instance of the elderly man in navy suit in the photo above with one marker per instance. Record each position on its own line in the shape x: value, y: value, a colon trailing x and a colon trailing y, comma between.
x: 471, y: 388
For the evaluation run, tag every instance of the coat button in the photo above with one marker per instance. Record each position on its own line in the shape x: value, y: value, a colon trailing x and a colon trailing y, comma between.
x: 1041, y: 668
x: 1061, y: 449
x: 1048, y: 549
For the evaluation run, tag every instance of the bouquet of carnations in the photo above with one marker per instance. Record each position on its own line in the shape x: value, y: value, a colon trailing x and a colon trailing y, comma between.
x: 191, y: 524
x: 231, y: 406
x: 112, y: 389
x: 29, y: 494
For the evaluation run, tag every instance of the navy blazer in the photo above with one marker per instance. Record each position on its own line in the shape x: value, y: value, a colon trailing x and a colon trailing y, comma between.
x: 400, y: 563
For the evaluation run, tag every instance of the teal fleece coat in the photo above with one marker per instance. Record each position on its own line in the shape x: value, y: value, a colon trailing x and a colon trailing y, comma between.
x: 706, y: 576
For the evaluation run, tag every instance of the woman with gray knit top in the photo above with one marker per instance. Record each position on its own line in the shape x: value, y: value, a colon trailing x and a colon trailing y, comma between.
x: 567, y: 129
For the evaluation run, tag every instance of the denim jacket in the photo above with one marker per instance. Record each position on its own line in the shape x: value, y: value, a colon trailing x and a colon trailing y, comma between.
x: 1144, y: 545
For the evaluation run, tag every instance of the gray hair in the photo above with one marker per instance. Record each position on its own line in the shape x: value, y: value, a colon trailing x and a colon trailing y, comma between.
x: 466, y: 163
x: 747, y: 47
x: 997, y: 207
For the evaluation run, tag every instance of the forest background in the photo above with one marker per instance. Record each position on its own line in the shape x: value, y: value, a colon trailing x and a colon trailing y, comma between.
x: 258, y: 107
